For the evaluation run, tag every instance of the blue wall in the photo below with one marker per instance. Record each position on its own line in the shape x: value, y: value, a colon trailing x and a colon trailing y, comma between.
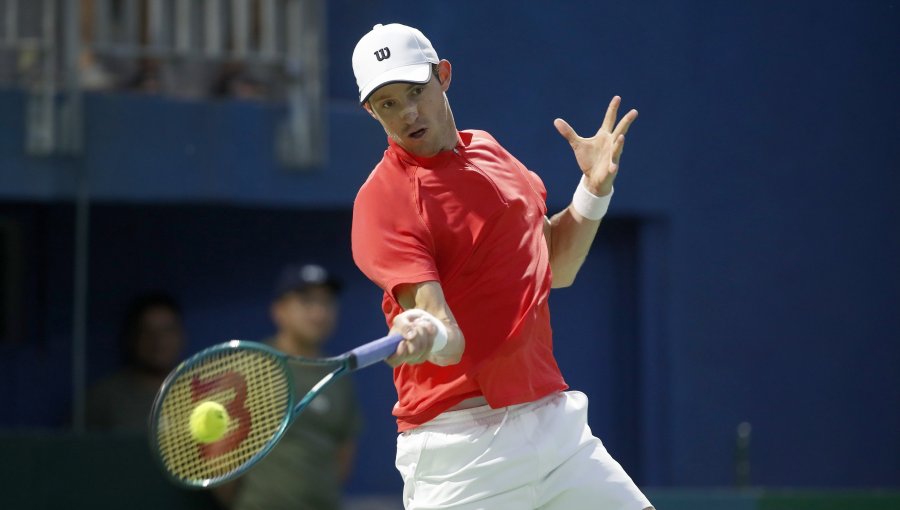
x: 762, y: 180
x: 221, y: 263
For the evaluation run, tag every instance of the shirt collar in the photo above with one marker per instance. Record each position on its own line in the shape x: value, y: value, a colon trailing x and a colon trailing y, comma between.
x: 463, y: 139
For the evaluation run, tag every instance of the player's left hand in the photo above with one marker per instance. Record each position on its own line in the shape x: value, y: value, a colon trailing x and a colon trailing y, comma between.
x: 598, y: 156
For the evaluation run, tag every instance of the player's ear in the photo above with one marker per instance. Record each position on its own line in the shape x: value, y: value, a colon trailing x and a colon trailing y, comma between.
x: 369, y: 109
x: 444, y: 74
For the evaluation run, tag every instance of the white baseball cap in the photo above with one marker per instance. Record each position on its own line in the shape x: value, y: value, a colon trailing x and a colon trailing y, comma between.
x: 389, y: 54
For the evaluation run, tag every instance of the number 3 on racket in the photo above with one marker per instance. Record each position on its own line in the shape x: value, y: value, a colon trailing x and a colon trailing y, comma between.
x: 254, y: 384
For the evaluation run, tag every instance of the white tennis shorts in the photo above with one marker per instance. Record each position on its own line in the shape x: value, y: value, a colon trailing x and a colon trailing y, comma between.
x: 539, y: 455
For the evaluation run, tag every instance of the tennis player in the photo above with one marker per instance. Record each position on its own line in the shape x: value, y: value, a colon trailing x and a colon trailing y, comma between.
x: 454, y: 229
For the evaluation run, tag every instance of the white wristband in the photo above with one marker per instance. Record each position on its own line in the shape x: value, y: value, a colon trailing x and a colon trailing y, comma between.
x: 440, y: 337
x: 588, y: 204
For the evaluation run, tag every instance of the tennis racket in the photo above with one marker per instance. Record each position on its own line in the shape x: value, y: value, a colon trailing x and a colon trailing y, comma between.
x: 255, y: 385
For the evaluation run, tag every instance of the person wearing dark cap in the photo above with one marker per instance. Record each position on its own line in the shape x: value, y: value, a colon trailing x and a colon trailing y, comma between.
x: 308, y: 466
x: 305, y: 309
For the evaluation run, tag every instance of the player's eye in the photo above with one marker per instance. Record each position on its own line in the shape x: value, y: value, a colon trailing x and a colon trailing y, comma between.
x: 387, y: 104
x: 417, y: 90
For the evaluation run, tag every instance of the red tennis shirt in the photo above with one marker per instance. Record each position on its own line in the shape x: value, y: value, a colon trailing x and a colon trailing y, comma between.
x: 472, y: 219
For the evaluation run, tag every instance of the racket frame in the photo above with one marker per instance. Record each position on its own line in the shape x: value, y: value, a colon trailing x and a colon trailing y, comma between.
x: 350, y: 361
x: 195, y: 360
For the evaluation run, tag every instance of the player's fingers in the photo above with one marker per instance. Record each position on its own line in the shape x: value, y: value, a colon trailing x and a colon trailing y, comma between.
x: 566, y: 130
x: 393, y: 361
x: 427, y: 326
x: 408, y: 330
x: 610, y: 120
x: 618, y: 147
x: 400, y: 324
x: 418, y: 341
x: 399, y: 355
x: 425, y: 332
x: 625, y: 123
x: 415, y: 351
x: 418, y: 335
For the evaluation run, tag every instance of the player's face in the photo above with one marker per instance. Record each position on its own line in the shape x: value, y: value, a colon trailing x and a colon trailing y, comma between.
x: 417, y: 116
x: 308, y: 316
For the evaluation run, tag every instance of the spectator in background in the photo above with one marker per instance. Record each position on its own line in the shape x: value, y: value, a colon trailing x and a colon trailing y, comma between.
x: 152, y: 340
x: 307, y: 467
x: 240, y: 81
x: 93, y: 75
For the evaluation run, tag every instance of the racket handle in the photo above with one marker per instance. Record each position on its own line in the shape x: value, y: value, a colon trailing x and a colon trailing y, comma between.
x: 374, y: 351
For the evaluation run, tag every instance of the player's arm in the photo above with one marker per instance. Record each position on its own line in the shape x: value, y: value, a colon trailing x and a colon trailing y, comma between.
x: 569, y: 237
x: 419, y: 332
x: 569, y: 233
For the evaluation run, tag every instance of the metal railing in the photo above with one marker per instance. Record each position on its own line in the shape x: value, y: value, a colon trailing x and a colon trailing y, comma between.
x: 49, y: 39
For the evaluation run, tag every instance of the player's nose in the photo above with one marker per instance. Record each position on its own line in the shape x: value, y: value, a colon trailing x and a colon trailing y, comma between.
x: 410, y: 114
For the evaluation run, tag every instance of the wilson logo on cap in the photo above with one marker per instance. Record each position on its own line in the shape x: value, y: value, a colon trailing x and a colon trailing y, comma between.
x: 383, y: 53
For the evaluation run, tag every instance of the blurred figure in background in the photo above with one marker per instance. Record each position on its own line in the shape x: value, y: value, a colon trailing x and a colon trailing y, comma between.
x: 307, y: 468
x: 93, y: 74
x: 123, y: 47
x: 152, y: 340
x: 241, y: 81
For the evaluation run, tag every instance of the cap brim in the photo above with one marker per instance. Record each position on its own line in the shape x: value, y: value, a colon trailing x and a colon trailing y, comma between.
x: 416, y: 73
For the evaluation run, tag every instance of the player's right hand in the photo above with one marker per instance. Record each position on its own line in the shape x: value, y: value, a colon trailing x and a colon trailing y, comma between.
x: 418, y: 338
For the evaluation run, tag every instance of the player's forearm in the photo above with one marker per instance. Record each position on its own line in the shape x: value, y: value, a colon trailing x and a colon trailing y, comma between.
x: 429, y: 296
x: 570, y: 239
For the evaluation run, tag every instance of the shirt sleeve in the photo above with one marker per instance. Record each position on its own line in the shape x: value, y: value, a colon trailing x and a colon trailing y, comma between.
x: 538, y: 185
x: 390, y: 241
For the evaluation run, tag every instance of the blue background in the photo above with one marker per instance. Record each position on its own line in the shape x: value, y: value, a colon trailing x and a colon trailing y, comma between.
x: 748, y: 270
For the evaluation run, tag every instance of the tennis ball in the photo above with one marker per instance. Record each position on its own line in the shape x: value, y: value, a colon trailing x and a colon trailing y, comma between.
x: 209, y: 420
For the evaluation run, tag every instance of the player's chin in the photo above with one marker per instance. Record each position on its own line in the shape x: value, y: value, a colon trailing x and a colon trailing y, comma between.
x: 419, y: 143
x: 414, y: 145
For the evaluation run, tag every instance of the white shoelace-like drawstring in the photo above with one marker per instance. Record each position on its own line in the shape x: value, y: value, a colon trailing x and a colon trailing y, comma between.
x: 502, y: 422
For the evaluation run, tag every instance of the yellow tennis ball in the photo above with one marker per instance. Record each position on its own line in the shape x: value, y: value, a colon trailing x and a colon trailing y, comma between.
x: 209, y: 420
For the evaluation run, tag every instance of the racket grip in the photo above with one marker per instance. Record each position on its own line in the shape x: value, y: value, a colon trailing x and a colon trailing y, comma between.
x: 374, y: 351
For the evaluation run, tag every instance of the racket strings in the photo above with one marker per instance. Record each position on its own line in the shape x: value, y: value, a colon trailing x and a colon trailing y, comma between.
x: 252, y: 385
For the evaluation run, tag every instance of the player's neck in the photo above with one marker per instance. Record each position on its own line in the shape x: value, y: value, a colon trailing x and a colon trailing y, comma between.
x: 446, y: 144
x: 451, y: 137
